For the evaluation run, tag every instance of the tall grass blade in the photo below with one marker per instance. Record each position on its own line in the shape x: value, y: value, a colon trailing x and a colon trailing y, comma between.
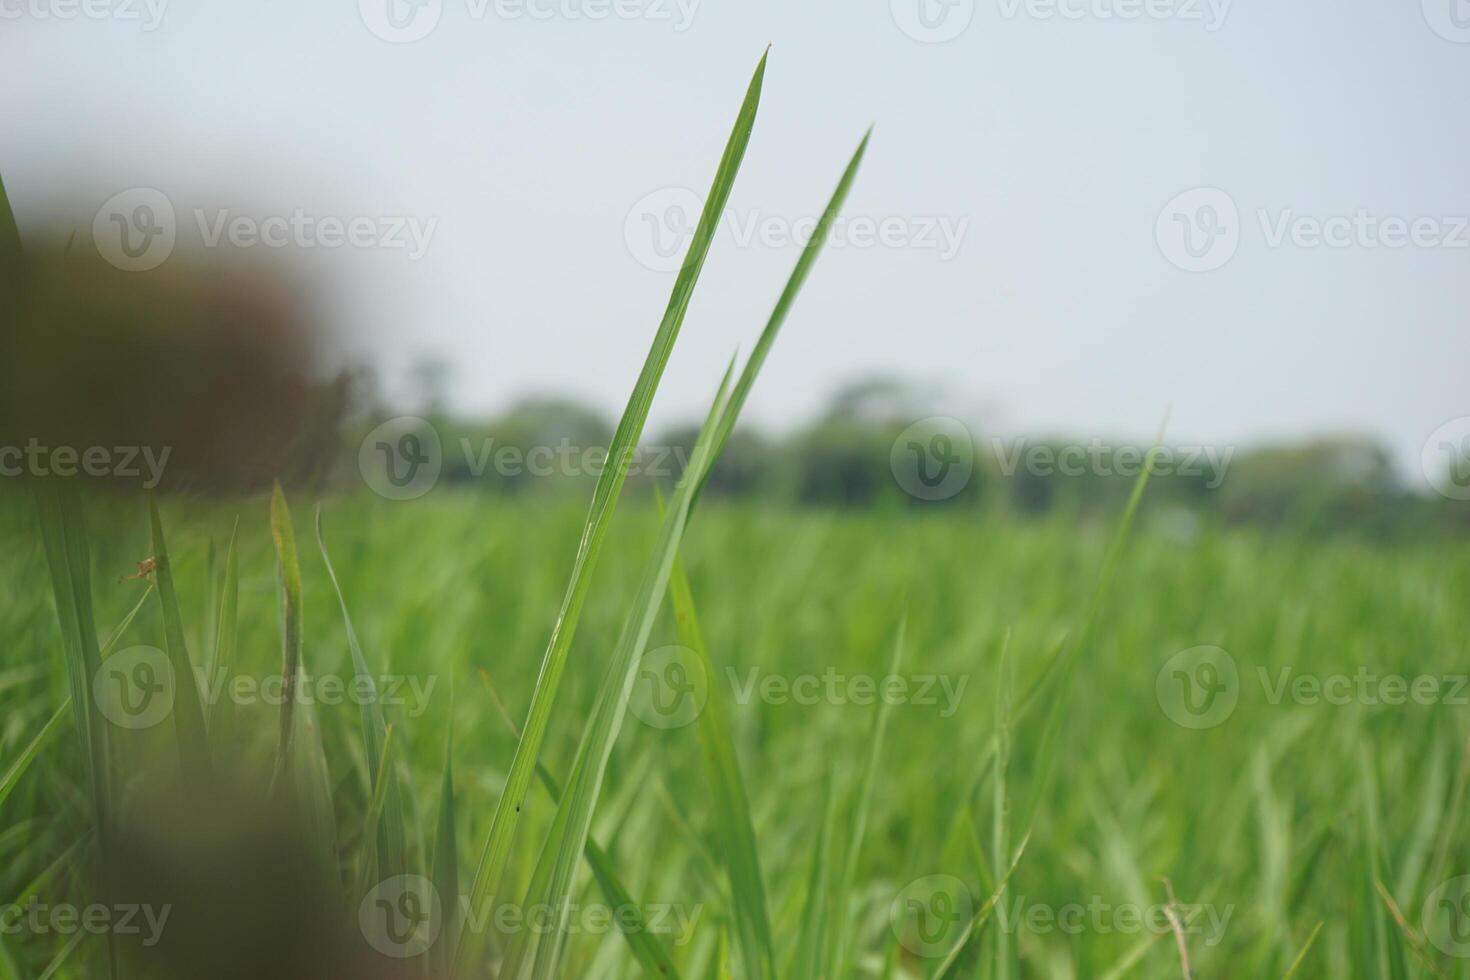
x: 28, y: 755
x: 64, y: 864
x: 188, y: 710
x: 211, y: 608
x: 1385, y: 947
x: 367, y: 861
x: 68, y: 556
x: 60, y: 959
x: 1301, y: 957
x: 646, y: 948
x: 1417, y: 943
x: 966, y: 948
x: 788, y: 295
x: 301, y: 775
x: 625, y: 439
x: 446, y: 863
x: 122, y: 627
x: 1000, y: 823
x: 839, y: 956
x: 1061, y: 694
x: 226, y: 639
x: 1124, y: 966
x: 719, y: 963
x: 809, y: 940
x: 563, y: 848
x: 734, y: 829
x: 1450, y: 826
x: 72, y: 592
x: 308, y: 788
x: 288, y: 577
x: 390, y: 837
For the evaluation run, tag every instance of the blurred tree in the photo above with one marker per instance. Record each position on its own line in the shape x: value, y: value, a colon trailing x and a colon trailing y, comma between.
x: 429, y: 377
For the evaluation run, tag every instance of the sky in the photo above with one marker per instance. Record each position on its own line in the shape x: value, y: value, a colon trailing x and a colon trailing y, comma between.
x: 1075, y: 215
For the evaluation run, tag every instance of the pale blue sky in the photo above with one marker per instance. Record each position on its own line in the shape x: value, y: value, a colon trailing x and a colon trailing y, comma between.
x: 1054, y: 142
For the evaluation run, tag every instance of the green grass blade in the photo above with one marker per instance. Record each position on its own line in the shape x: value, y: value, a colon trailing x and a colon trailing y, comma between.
x: 966, y: 949
x: 496, y: 850
x: 223, y: 719
x: 563, y: 848
x: 1301, y: 957
x: 446, y: 862
x: 752, y: 921
x: 788, y: 295
x: 390, y: 838
x: 810, y: 937
x: 301, y: 778
x: 288, y: 576
x: 1023, y: 705
x: 719, y: 965
x: 864, y: 803
x: 1306, y: 874
x: 211, y: 607
x: 522, y: 948
x: 367, y: 861
x: 1385, y: 945
x: 21, y: 765
x: 647, y: 950
x: 68, y: 556
x: 308, y: 788
x: 188, y: 710
x: 1130, y: 959
x: 1450, y: 827
x: 734, y: 828
x: 1418, y: 945
x: 122, y: 627
x: 60, y: 959
x: 1061, y: 694
x: 64, y: 864
x: 1000, y: 822
x: 28, y: 755
x: 72, y: 591
x: 226, y: 631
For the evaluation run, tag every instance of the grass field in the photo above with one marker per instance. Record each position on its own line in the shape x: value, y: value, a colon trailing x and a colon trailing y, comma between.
x: 515, y: 736
x: 1279, y: 816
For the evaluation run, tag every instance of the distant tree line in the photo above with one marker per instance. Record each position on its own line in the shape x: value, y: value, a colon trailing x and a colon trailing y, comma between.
x: 846, y: 459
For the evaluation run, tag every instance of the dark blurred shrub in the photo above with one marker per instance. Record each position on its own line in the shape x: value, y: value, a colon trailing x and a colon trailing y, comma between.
x: 212, y: 364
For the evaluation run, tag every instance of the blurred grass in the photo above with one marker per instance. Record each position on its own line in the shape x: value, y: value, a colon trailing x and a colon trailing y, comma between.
x: 1282, y: 812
